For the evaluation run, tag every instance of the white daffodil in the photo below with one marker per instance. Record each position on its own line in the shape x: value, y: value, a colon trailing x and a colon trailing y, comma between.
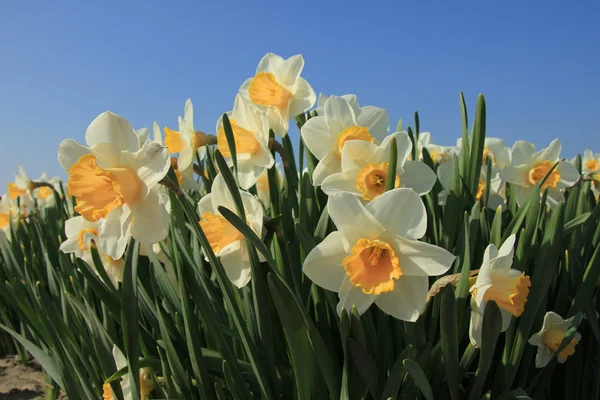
x: 146, y: 384
x: 528, y: 168
x: 80, y: 234
x: 44, y: 195
x: 21, y: 186
x: 365, y: 169
x: 9, y: 214
x: 590, y: 164
x: 375, y: 255
x: 350, y: 98
x: 226, y: 241
x: 499, y: 282
x: 250, y: 128
x: 495, y: 150
x: 325, y: 136
x: 550, y: 337
x: 495, y: 198
x: 278, y: 89
x: 115, y: 183
x: 262, y: 185
x: 185, y: 141
x: 442, y: 155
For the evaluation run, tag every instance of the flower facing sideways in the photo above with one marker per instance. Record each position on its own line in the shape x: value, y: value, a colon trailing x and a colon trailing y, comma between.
x: 146, y: 384
x: 250, y: 128
x: 115, y: 182
x: 494, y: 150
x: 81, y: 236
x: 225, y: 240
x: 375, y: 256
x: 342, y: 121
x: 550, y: 337
x: 529, y: 168
x: 278, y: 89
x: 365, y: 169
x: 499, y: 282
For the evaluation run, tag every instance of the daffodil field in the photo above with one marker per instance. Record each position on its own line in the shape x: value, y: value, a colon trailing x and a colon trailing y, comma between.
x: 363, y: 262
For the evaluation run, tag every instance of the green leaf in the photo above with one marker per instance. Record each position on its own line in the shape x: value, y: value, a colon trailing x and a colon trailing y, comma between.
x: 129, y: 315
x: 492, y: 325
x: 449, y: 339
x: 230, y: 143
x: 575, y: 223
x: 397, y: 373
x: 391, y: 175
x: 416, y: 373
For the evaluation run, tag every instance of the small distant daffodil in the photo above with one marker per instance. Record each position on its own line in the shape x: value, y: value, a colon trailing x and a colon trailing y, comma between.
x: 116, y: 183
x: 225, y: 240
x: 550, y: 337
x: 494, y: 150
x: 278, y: 89
x: 375, y: 255
x: 146, y: 384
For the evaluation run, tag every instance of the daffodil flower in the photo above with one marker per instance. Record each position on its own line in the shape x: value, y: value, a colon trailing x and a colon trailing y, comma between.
x: 81, y: 236
x: 278, y: 89
x: 495, y: 198
x: 442, y: 155
x: 375, y: 255
x: 146, y: 384
x: 325, y: 136
x: 21, y: 186
x: 529, y: 168
x: 499, y: 282
x: 365, y: 169
x: 590, y: 162
x: 44, y: 195
x: 225, y: 240
x: 250, y: 128
x: 185, y: 142
x: 115, y: 182
x: 9, y: 214
x: 262, y: 185
x: 495, y: 150
x: 550, y: 337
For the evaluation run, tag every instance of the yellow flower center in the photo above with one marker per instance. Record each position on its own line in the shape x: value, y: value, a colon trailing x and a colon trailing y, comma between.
x: 265, y: 91
x: 352, y: 133
x: 100, y: 191
x: 553, y: 337
x: 219, y: 232
x: 245, y: 140
x: 371, y: 180
x: 539, y: 171
x: 592, y: 165
x: 509, y: 292
x: 14, y: 191
x: 81, y: 237
x: 43, y: 193
x: 173, y: 140
x: 4, y: 220
x: 373, y: 266
x: 480, y: 189
x: 488, y: 154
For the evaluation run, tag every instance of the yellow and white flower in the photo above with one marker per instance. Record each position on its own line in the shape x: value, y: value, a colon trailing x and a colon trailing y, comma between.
x: 250, y: 128
x: 365, y: 169
x: 495, y: 150
x: 9, y: 215
x: 115, y: 183
x: 550, y: 337
x: 146, y: 384
x: 499, y: 282
x: 262, y: 185
x: 225, y: 240
x: 442, y: 155
x: 184, y: 141
x: 278, y: 89
x: 44, y: 195
x: 21, y: 186
x: 325, y: 136
x: 375, y: 255
x: 528, y: 168
x: 590, y: 164
x: 495, y: 198
x: 81, y: 236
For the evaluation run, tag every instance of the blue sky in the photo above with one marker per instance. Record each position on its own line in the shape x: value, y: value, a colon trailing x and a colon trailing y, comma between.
x: 63, y: 63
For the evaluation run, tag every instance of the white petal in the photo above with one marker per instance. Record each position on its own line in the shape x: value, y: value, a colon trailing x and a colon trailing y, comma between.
x: 186, y: 158
x: 150, y: 222
x: 151, y: 163
x: 351, y: 295
x: 352, y: 219
x: 555, y: 196
x: 188, y: 112
x: 114, y: 232
x: 422, y: 259
x: 119, y: 357
x: 475, y: 326
x: 323, y: 265
x: 71, y: 245
x: 269, y: 63
x: 237, y: 268
x: 329, y: 165
x: 417, y: 176
x: 289, y: 71
x: 518, y: 175
x: 317, y: 137
x: 113, y: 129
x: 401, y: 212
x: 403, y: 145
x: 74, y: 225
x: 358, y: 153
x: 157, y: 133
x: 506, y: 319
x: 444, y: 172
x: 376, y: 120
x: 568, y: 175
x: 543, y: 357
x: 344, y: 182
x: 220, y: 194
x: 205, y: 205
x: 536, y: 339
x: 69, y: 152
x: 407, y: 301
x: 550, y: 153
x: 339, y: 114
x: 521, y: 193
x: 522, y: 152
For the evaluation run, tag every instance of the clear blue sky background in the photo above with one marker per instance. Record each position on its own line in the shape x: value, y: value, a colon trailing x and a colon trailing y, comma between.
x: 62, y: 63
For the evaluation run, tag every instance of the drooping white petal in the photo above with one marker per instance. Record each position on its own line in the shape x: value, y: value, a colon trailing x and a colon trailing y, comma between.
x: 401, y: 212
x: 351, y: 295
x: 568, y: 175
x: 475, y: 325
x: 237, y: 268
x: 407, y: 301
x: 150, y: 222
x: 113, y: 129
x: 323, y: 265
x: 114, y: 232
x: 417, y: 176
